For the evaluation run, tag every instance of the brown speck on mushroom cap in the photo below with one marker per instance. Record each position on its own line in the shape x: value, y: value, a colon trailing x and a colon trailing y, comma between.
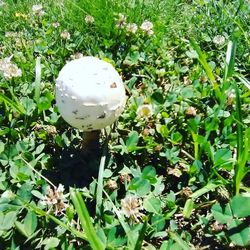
x: 113, y: 85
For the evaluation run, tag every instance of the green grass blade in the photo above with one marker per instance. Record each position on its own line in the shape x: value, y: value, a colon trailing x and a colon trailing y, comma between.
x: 176, y: 237
x: 142, y: 232
x: 244, y: 81
x: 40, y: 212
x: 230, y: 59
x: 100, y: 178
x: 203, y: 60
x: 210, y: 186
x: 17, y: 106
x: 239, y: 123
x: 85, y: 220
x: 240, y: 166
x: 38, y: 79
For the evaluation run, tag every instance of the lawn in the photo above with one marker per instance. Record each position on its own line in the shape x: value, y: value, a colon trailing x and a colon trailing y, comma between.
x: 172, y: 172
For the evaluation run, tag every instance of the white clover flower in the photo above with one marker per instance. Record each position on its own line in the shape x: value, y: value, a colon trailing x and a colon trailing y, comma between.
x: 12, y: 71
x: 11, y: 34
x: 4, y: 63
x: 130, y: 207
x: 147, y: 27
x: 219, y: 40
x: 55, y: 198
x: 65, y: 35
x: 37, y: 9
x: 121, y: 21
x: 8, y: 69
x: 89, y: 19
x: 132, y: 28
x: 144, y: 111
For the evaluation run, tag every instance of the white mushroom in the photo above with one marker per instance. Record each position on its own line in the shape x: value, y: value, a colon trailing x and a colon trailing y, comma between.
x: 90, y: 94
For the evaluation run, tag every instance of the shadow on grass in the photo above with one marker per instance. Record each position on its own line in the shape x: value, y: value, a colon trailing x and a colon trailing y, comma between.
x: 74, y: 167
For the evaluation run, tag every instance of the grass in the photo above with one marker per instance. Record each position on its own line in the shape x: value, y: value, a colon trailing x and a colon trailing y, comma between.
x: 174, y: 169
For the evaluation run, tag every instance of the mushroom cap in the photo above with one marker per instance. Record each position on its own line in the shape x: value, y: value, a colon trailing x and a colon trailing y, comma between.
x: 90, y: 94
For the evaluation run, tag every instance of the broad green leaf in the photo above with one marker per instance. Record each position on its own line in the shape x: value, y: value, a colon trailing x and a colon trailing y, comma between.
x: 43, y: 103
x: 152, y: 205
x: 149, y: 173
x: 25, y: 191
x: 37, y: 194
x: 20, y: 228
x: 187, y: 92
x: 222, y: 156
x: 157, y: 98
x: 29, y: 105
x: 222, y: 214
x: 240, y: 206
x: 50, y: 243
x: 7, y: 220
x: 162, y: 130
x: 239, y: 233
x: 30, y: 223
x: 141, y: 186
x: 158, y: 222
x: 132, y: 140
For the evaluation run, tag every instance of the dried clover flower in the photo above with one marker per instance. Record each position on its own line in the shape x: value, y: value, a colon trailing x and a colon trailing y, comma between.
x: 77, y: 55
x: 144, y: 111
x: 51, y: 130
x: 125, y: 178
x: 132, y: 28
x: 55, y: 198
x: 112, y: 185
x: 174, y: 171
x: 38, y: 10
x: 56, y: 24
x: 219, y: 40
x: 121, y: 21
x: 131, y: 207
x: 230, y: 97
x: 9, y: 69
x: 147, y: 27
x: 191, y: 111
x: 65, y: 35
x: 89, y: 19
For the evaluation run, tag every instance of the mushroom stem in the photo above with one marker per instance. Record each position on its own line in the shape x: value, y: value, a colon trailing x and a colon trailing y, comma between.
x: 91, y: 140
